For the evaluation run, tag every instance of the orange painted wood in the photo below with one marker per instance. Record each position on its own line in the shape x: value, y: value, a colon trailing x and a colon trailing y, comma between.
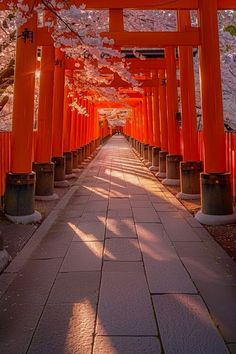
x: 67, y: 118
x: 154, y: 39
x: 187, y: 88
x: 172, y: 103
x: 211, y: 91
x: 44, y: 136
x: 138, y: 4
x: 163, y: 111
x: 24, y: 85
x: 156, y: 117
x: 58, y: 104
x: 150, y: 117
x: 134, y: 4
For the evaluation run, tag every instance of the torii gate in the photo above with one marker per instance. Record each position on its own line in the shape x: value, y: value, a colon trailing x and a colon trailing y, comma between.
x: 216, y: 192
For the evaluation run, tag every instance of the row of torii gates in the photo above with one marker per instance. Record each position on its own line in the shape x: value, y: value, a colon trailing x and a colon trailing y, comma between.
x: 65, y: 138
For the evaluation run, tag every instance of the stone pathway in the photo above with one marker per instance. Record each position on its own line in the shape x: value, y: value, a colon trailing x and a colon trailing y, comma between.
x: 125, y: 269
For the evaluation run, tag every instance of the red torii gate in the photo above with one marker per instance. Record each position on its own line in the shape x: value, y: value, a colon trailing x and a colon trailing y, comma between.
x: 215, y: 180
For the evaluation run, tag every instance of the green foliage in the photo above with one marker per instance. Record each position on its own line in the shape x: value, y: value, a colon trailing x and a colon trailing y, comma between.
x: 231, y: 29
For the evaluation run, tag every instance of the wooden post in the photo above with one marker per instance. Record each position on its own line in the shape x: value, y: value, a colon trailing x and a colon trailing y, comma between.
x: 190, y: 168
x: 216, y: 195
x: 19, y: 196
x: 174, y: 157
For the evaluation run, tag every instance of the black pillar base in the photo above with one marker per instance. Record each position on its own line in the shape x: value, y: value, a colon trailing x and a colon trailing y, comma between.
x: 172, y: 170
x: 155, y: 158
x: 80, y: 156
x: 44, y: 178
x: 75, y: 159
x: 150, y: 153
x: 216, y: 194
x: 162, y: 164
x: 190, y: 179
x: 59, y: 172
x: 68, y: 162
x: 145, y: 152
x: 19, y: 198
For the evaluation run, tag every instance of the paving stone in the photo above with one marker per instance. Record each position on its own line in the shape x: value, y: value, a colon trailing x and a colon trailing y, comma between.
x: 177, y: 228
x: 185, y: 325
x: 52, y: 247
x: 127, y: 345
x: 65, y: 329
x: 17, y: 325
x: 5, y: 281
x: 116, y: 203
x: 164, y: 270
x: 89, y: 231
x: 141, y: 203
x: 95, y: 196
x: 218, y: 291
x: 79, y: 200
x: 136, y: 190
x: 33, y: 283
x: 138, y: 198
x: 164, y: 207
x: 145, y: 215
x: 120, y: 228
x: 109, y: 266
x: 93, y: 216
x: 83, y: 256
x: 119, y: 193
x: 74, y: 287
x: 118, y: 249
x: 199, y: 249
x: 125, y: 306
x: 120, y: 213
x: 72, y: 212
x: 96, y: 206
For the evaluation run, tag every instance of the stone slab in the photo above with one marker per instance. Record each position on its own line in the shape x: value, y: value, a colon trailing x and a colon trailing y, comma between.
x: 177, y: 228
x: 117, y: 203
x: 96, y: 205
x: 164, y: 270
x: 83, y: 256
x: 17, y: 325
x: 33, y: 283
x: 125, y: 305
x: 217, y: 287
x: 164, y: 207
x: 126, y: 345
x: 145, y: 215
x: 65, y: 328
x: 75, y: 287
x: 5, y: 281
x: 126, y: 267
x: 120, y: 228
x: 185, y: 325
x: 118, y: 249
x: 89, y: 231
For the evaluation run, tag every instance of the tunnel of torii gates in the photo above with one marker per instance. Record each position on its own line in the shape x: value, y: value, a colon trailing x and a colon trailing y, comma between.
x: 64, y: 137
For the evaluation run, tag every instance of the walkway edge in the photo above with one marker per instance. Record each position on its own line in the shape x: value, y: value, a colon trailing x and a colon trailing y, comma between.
x: 25, y: 254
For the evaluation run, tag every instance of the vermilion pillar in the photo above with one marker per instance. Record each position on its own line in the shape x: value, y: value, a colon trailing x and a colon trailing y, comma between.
x: 156, y: 130
x: 67, y: 127
x: 163, y: 124
x: 43, y: 166
x: 215, y: 182
x: 150, y: 124
x: 174, y: 157
x: 58, y: 105
x: 19, y: 205
x: 189, y: 169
